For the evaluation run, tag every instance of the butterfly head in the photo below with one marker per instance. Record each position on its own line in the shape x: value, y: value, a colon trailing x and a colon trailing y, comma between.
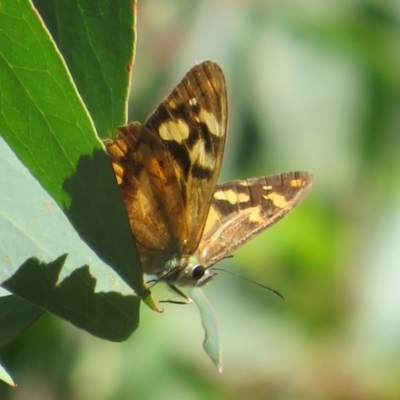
x: 187, y: 272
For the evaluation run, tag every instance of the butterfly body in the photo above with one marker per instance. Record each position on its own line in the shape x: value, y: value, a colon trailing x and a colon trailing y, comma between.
x: 167, y: 171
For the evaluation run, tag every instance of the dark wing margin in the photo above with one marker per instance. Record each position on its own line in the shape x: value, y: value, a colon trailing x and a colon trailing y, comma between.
x: 242, y: 209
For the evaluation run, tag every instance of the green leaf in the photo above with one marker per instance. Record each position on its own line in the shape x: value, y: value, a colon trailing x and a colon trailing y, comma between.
x: 16, y: 315
x: 42, y: 116
x: 44, y: 121
x: 5, y: 376
x: 96, y: 40
x: 43, y: 230
x: 211, y: 339
x: 109, y: 315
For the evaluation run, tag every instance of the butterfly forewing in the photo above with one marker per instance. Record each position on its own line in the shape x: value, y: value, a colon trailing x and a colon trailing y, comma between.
x: 167, y: 168
x: 241, y: 209
x: 191, y: 122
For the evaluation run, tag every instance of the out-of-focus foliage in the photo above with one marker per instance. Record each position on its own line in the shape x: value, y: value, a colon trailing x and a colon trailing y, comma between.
x: 312, y: 86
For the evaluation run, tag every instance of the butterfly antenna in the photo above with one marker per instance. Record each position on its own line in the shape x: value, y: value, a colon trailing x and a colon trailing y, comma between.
x: 251, y: 281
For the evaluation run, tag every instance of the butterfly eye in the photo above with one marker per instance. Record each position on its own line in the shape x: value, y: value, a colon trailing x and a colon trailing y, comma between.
x: 198, y: 272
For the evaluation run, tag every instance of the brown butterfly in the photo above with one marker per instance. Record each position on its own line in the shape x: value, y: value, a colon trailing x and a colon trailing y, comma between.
x: 167, y: 171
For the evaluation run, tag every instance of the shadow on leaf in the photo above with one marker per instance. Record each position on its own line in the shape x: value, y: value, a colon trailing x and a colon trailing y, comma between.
x: 97, y: 213
x: 110, y: 315
x: 16, y: 315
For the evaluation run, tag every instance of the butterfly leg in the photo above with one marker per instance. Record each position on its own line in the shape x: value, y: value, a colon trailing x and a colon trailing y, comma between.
x: 188, y: 300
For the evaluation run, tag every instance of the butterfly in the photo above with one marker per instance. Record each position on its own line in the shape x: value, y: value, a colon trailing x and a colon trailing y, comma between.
x: 182, y: 221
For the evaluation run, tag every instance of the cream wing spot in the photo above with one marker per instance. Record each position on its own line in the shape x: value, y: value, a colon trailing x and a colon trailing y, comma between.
x: 171, y: 104
x: 206, y: 160
x: 255, y: 215
x: 118, y: 172
x: 117, y: 149
x: 277, y: 199
x: 227, y: 195
x: 193, y: 102
x: 243, y: 197
x: 199, y: 155
x: 231, y: 196
x: 176, y: 130
x: 234, y: 197
x: 219, y: 195
x: 297, y: 183
x: 211, y: 122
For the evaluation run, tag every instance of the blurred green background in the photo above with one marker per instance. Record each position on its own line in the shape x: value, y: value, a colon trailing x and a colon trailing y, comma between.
x: 315, y: 86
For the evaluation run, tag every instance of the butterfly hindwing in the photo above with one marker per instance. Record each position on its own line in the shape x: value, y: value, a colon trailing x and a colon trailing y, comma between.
x: 148, y: 186
x: 241, y: 209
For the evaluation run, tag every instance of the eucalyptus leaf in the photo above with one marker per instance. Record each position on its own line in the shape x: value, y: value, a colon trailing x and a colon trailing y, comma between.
x: 5, y: 376
x: 211, y: 343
